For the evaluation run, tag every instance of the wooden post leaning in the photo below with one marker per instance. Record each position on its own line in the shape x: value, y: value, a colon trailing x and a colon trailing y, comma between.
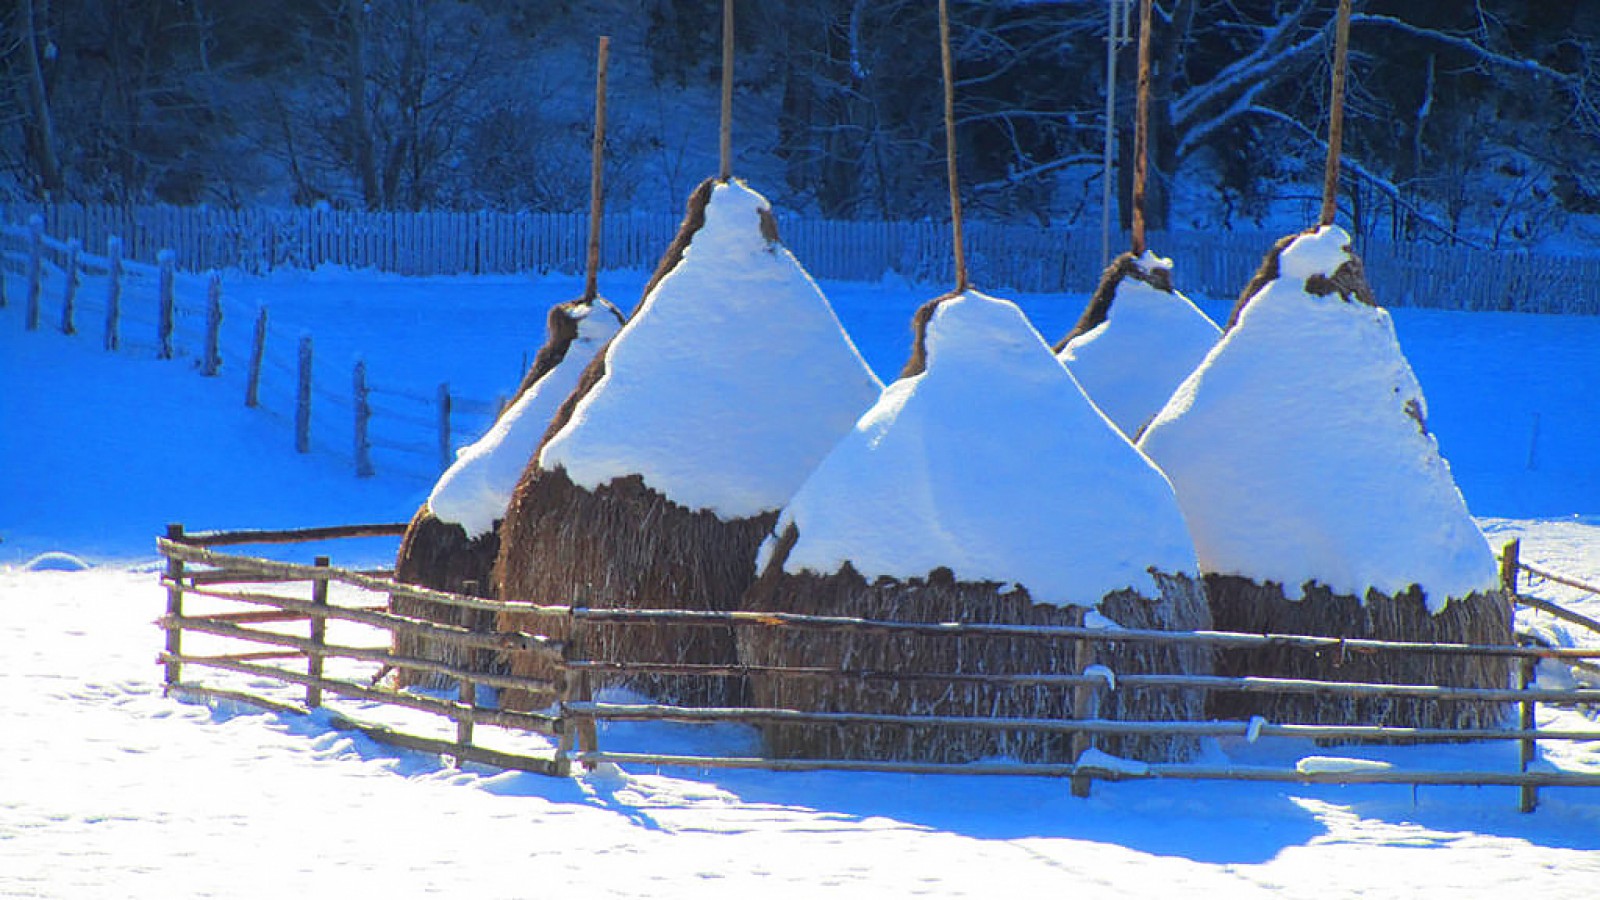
x: 319, y: 638
x: 166, y: 287
x: 35, y: 270
x: 174, y: 578
x: 113, y: 339
x: 69, y: 293
x: 252, y: 388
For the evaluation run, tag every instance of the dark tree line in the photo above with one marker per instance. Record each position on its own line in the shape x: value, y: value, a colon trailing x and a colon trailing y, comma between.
x: 1473, y: 115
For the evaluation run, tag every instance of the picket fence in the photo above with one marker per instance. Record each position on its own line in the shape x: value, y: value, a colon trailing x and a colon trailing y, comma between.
x: 155, y: 311
x: 1001, y: 256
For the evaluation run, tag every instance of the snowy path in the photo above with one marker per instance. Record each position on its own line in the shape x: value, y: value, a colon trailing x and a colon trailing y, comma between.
x: 109, y: 790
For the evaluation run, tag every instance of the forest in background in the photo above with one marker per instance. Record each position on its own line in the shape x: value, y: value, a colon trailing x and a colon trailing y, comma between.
x: 1476, y: 117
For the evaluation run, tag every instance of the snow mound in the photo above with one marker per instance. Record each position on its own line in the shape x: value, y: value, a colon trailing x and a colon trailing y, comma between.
x: 1338, y: 765
x: 1150, y: 341
x: 476, y: 489
x: 729, y: 383
x: 1300, y: 451
x: 56, y: 561
x: 994, y: 464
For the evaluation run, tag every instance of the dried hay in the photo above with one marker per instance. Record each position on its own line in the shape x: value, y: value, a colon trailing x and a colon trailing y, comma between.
x: 940, y: 598
x: 439, y: 555
x: 1099, y: 307
x: 627, y: 545
x: 1239, y: 604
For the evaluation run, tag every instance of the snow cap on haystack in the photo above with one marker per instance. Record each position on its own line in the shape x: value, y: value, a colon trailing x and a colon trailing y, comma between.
x: 708, y: 414
x: 474, y: 491
x: 1137, y: 340
x: 989, y: 462
x: 1300, y: 449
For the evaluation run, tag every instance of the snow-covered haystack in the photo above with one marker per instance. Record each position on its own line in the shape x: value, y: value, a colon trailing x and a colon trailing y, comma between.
x: 666, y: 468
x: 1137, y: 340
x: 983, y: 487
x: 1319, y: 501
x: 452, y: 541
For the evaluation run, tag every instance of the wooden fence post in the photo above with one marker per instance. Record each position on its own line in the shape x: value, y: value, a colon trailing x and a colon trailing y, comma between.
x: 1085, y: 705
x: 166, y: 259
x: 69, y: 294
x: 467, y: 690
x: 1510, y: 562
x: 445, y: 456
x: 258, y: 350
x: 319, y: 636
x: 1528, y: 747
x: 174, y: 577
x: 302, y: 406
x: 363, y: 416
x: 35, y: 270
x: 114, y: 294
x: 211, y: 363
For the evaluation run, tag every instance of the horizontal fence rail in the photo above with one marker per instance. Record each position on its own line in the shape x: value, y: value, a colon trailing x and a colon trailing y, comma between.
x: 1018, y: 257
x: 273, y: 595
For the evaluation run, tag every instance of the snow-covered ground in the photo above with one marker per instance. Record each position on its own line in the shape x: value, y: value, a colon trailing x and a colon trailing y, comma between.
x: 107, y: 789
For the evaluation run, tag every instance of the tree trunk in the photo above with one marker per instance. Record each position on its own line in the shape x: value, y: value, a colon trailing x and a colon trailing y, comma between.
x: 40, y: 126
x: 360, y: 129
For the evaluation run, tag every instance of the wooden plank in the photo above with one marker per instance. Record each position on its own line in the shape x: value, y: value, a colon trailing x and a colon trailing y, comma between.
x: 963, y: 629
x: 452, y: 634
x: 535, y: 722
x: 315, y: 650
x: 654, y: 712
x: 1150, y: 771
x: 292, y: 535
x: 298, y: 572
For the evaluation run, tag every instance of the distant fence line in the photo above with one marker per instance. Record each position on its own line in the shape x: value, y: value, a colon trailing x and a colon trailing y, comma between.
x: 1013, y: 257
x: 132, y: 307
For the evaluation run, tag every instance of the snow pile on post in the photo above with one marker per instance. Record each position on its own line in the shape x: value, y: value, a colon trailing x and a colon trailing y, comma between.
x: 983, y: 487
x: 452, y: 541
x: 1137, y: 340
x: 668, y: 465
x: 1318, y: 499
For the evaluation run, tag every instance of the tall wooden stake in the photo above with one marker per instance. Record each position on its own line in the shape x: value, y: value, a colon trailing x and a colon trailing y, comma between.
x: 950, y: 146
x: 725, y: 171
x: 1330, y: 180
x: 591, y: 286
x: 1141, y: 130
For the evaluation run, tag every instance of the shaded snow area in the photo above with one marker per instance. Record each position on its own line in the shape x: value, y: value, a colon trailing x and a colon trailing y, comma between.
x: 476, y: 489
x: 1300, y: 449
x: 1149, y: 343
x: 114, y: 793
x: 729, y: 383
x: 108, y: 790
x: 944, y: 471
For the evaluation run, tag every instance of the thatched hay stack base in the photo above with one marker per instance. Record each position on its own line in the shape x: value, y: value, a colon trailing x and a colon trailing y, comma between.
x: 940, y: 598
x: 439, y: 555
x: 1239, y: 604
x: 625, y: 545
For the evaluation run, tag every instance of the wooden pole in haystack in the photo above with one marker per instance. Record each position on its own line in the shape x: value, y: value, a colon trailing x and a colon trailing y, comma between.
x: 591, y: 284
x: 1141, y: 130
x: 1341, y: 54
x: 725, y: 169
x: 957, y: 244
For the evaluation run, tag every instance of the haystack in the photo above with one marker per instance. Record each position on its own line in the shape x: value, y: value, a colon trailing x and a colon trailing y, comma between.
x: 1320, y: 503
x: 1137, y: 340
x: 453, y: 540
x: 983, y: 487
x: 668, y: 465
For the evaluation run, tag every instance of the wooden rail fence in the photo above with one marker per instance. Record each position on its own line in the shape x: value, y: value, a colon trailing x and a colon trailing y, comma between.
x: 259, y: 597
x: 411, y: 426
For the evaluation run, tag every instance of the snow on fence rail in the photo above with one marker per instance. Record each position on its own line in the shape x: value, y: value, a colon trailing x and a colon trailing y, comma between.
x: 1003, y: 256
x: 150, y: 310
x: 196, y: 568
